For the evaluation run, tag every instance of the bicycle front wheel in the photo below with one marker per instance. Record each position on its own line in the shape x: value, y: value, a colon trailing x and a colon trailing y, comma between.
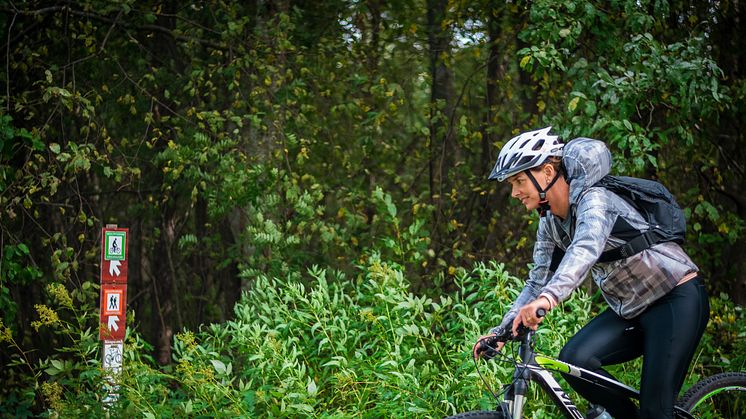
x: 719, y: 396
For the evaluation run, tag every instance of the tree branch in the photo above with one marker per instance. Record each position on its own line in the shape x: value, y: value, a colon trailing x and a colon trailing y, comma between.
x: 150, y: 27
x: 7, y: 62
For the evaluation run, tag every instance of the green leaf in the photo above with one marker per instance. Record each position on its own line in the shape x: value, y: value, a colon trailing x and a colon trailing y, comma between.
x: 525, y: 61
x: 573, y: 104
x: 52, y: 371
x: 391, y: 208
x: 311, y: 387
x: 590, y: 108
x: 56, y: 368
x: 302, y: 407
x: 218, y: 365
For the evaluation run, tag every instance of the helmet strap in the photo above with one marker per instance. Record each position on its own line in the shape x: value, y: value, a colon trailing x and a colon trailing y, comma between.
x: 543, y: 203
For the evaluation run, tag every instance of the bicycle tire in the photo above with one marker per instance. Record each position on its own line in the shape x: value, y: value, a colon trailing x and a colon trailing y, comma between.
x: 478, y: 414
x: 700, y: 394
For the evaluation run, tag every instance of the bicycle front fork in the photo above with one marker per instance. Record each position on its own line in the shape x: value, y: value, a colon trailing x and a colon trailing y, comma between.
x: 515, y: 397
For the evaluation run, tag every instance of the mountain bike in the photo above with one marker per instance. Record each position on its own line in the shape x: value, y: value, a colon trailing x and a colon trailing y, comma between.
x: 719, y: 396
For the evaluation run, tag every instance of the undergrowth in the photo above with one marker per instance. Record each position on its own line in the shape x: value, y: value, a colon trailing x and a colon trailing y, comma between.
x: 325, y: 345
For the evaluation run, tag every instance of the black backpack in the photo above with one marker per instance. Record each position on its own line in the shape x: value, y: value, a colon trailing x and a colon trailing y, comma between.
x: 656, y: 205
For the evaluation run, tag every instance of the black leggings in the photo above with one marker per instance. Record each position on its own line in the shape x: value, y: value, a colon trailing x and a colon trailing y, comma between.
x: 666, y: 334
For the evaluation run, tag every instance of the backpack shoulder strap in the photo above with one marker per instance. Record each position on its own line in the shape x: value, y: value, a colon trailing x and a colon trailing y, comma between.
x: 636, y: 245
x: 637, y: 241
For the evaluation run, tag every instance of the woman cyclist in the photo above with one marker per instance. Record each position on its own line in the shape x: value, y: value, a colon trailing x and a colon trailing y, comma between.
x: 658, y: 307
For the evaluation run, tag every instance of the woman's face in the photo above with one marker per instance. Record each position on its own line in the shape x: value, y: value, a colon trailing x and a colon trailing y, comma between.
x: 524, y: 190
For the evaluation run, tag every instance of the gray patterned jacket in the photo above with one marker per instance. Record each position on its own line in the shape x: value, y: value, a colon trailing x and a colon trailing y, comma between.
x: 629, y: 285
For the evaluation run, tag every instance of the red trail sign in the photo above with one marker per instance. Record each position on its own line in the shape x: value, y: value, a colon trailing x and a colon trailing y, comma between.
x: 114, y: 260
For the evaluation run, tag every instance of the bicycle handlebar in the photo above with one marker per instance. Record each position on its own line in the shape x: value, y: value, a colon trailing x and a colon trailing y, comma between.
x: 487, y: 344
x: 507, y: 335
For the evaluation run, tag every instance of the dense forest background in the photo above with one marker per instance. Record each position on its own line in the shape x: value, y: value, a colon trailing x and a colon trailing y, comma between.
x: 309, y: 144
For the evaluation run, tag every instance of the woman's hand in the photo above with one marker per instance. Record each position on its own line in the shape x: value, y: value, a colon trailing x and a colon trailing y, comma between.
x: 527, y: 314
x: 487, y: 347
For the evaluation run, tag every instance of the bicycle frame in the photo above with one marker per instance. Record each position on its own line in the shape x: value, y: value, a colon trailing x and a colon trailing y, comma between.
x: 540, y: 368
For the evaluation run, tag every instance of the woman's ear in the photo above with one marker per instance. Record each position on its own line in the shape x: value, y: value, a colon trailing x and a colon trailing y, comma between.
x: 549, y: 171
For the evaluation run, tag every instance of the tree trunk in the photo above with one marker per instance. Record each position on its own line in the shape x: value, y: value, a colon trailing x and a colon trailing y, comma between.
x: 442, y: 146
x: 730, y: 55
x: 228, y: 277
x: 165, y: 54
x: 529, y: 88
x: 163, y: 287
x: 203, y: 265
x: 495, y: 72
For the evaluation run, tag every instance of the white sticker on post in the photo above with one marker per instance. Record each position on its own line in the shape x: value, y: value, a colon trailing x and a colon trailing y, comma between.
x: 113, y: 351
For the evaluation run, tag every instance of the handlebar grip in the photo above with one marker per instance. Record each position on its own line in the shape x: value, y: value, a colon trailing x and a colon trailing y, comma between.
x: 540, y: 312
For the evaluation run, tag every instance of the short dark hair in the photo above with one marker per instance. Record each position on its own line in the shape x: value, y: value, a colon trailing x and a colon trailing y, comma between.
x: 556, y: 162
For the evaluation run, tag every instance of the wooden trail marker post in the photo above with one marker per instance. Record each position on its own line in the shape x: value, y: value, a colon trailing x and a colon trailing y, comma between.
x: 113, y: 316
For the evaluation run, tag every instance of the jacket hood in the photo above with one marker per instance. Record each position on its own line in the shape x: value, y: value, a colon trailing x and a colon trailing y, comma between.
x: 586, y: 161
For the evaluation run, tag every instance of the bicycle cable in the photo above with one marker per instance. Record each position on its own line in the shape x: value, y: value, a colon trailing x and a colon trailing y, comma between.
x: 489, y: 388
x: 501, y: 357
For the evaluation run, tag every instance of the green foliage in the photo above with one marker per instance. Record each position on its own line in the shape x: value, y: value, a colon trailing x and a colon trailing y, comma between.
x: 342, y: 347
x: 406, y: 244
x: 15, y: 271
x: 723, y: 348
x: 67, y: 379
x: 329, y: 345
x: 285, y: 224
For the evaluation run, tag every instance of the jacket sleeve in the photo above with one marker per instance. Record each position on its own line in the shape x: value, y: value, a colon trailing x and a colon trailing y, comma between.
x: 594, y: 221
x: 537, y: 276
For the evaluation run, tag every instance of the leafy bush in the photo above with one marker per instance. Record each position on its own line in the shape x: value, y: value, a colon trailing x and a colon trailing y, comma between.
x: 341, y: 347
x: 323, y: 344
x: 723, y: 346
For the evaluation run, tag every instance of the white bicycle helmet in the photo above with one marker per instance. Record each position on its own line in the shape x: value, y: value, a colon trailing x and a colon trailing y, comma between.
x: 525, y: 151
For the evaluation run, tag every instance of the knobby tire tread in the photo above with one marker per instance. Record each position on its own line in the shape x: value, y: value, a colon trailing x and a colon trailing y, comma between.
x: 480, y: 414
x: 709, y: 384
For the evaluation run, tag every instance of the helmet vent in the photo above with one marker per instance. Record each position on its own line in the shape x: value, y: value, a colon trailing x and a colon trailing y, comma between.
x: 524, y: 160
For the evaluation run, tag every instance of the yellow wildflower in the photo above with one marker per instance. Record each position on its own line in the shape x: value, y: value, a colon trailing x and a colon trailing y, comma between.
x: 5, y: 333
x: 47, y: 317
x: 52, y: 394
x: 60, y: 294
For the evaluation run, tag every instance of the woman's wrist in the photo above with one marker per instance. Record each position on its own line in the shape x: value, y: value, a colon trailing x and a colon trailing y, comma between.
x: 549, y: 299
